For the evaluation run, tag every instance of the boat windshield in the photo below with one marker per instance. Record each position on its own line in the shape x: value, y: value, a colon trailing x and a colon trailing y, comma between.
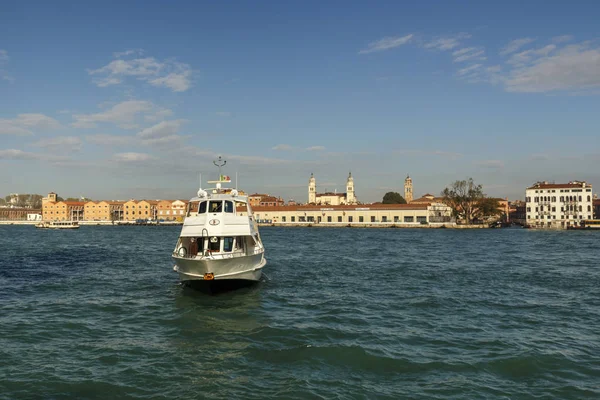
x: 215, y: 207
x: 202, y: 208
x: 228, y: 206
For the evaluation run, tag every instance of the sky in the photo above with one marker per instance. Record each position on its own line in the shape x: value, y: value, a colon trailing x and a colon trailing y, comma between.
x: 119, y: 100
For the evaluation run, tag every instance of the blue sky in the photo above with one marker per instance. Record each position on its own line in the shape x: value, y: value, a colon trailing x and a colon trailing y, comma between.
x: 133, y: 99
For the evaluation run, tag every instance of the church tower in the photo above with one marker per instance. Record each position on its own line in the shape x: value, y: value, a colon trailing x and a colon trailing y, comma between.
x: 350, y: 197
x: 312, y: 189
x: 408, y: 189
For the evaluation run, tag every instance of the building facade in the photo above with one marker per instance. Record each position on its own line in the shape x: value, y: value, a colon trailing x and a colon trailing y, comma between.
x: 331, y: 198
x: 376, y: 214
x: 557, y: 206
x: 596, y: 206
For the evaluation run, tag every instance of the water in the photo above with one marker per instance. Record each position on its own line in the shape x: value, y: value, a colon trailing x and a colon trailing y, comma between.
x: 345, y: 314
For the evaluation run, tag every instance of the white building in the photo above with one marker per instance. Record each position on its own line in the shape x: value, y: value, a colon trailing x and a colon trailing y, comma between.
x: 333, y: 199
x: 554, y: 205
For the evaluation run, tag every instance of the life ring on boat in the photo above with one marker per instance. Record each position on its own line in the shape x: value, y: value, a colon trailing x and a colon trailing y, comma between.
x: 180, y: 251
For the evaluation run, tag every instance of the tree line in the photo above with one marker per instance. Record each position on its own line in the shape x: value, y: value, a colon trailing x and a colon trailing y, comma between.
x: 32, y: 200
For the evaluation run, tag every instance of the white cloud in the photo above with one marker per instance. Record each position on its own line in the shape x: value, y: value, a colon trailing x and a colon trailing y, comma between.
x: 162, y: 129
x: 176, y: 81
x: 14, y: 154
x: 110, y: 140
x: 60, y: 143
x: 528, y: 55
x: 386, y: 43
x: 445, y: 43
x: 25, y: 124
x: 315, y: 148
x: 562, y: 39
x: 137, y: 52
x: 515, y: 45
x: 132, y: 157
x: 573, y: 67
x: 123, y: 114
x: 468, y: 69
x: 282, y: 147
x: 171, y: 140
x: 167, y: 73
x: 468, y: 54
x: 160, y: 114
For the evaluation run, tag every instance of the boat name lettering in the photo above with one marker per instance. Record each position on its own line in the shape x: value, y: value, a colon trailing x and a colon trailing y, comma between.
x: 214, y: 222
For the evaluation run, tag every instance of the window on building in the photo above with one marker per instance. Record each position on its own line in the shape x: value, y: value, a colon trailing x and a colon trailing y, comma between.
x: 293, y: 219
x: 328, y: 218
x: 589, y: 199
x: 579, y: 198
x: 361, y: 219
x: 340, y: 218
x: 311, y: 219
x: 301, y: 219
x: 283, y: 219
x: 384, y: 219
x: 421, y: 219
x: 409, y: 219
x: 553, y: 209
x: 580, y: 208
x: 553, y: 198
x: 215, y: 206
x: 528, y: 209
x: 228, y: 206
x: 589, y: 208
x: 372, y: 218
x: 227, y: 244
x: 350, y: 219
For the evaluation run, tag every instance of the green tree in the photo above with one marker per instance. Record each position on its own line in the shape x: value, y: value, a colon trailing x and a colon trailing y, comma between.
x: 487, y: 207
x: 462, y: 197
x: 393, y: 198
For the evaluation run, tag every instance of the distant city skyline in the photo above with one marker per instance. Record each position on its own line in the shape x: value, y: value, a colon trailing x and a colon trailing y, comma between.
x: 134, y: 100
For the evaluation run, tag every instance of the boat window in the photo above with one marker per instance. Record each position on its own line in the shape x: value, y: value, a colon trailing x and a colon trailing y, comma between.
x: 214, y: 244
x: 239, y: 243
x: 228, y: 206
x: 227, y: 244
x: 202, y: 208
x: 215, y: 207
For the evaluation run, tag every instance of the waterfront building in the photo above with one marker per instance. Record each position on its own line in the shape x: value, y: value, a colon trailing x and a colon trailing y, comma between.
x: 552, y: 205
x: 426, y: 199
x: 371, y: 214
x: 19, y: 214
x: 271, y: 201
x: 96, y: 211
x: 332, y: 198
x: 408, y: 189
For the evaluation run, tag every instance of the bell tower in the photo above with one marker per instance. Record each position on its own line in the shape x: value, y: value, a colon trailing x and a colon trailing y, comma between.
x: 350, y: 197
x: 312, y: 189
x: 408, y: 189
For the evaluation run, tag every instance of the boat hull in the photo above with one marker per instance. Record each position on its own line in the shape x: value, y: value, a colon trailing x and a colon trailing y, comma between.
x: 248, y: 268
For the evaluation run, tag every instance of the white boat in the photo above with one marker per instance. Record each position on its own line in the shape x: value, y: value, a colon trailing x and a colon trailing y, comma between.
x: 219, y: 243
x: 58, y: 225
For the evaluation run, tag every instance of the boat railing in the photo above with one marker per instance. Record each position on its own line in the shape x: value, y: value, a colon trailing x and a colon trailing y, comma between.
x: 210, y: 255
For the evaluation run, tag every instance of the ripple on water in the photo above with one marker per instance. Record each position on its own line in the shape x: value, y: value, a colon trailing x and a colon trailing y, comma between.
x: 345, y: 313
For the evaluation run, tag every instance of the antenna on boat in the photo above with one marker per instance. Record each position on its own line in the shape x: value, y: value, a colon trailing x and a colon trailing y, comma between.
x: 236, y: 180
x: 200, y: 181
x: 220, y: 163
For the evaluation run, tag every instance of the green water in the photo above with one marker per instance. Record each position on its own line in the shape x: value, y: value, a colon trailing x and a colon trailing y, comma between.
x: 345, y: 314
